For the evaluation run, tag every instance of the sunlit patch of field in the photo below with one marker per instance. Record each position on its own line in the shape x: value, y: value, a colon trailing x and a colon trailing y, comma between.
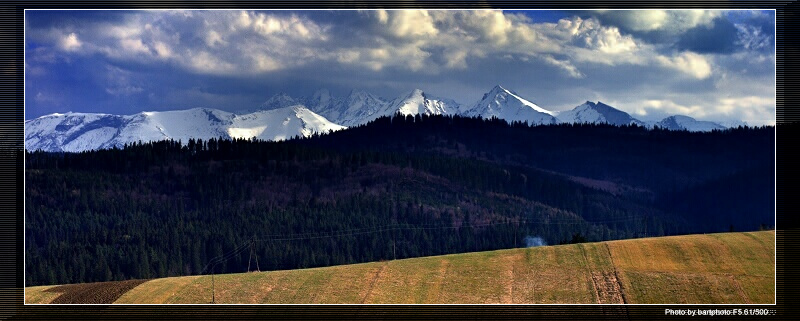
x: 712, y: 268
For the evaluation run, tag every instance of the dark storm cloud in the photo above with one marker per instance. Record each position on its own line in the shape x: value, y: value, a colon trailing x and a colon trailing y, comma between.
x: 720, y: 37
x: 645, y: 62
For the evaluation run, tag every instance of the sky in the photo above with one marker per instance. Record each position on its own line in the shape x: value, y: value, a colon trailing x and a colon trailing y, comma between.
x: 708, y: 64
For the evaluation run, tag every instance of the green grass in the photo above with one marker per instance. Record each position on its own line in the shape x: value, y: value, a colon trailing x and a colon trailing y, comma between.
x: 713, y: 268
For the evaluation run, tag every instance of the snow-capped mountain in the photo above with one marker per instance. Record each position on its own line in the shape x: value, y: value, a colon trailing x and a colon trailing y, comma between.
x: 417, y: 102
x: 57, y: 132
x: 359, y: 107
x: 282, y: 117
x: 597, y: 113
x: 73, y: 132
x: 680, y: 122
x: 508, y: 105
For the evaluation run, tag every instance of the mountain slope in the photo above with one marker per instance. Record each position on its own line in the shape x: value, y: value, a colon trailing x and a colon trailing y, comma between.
x: 597, y: 113
x: 280, y: 100
x: 507, y: 105
x: 417, y: 102
x: 58, y: 132
x: 724, y: 268
x: 75, y: 132
x: 680, y: 122
x: 357, y: 108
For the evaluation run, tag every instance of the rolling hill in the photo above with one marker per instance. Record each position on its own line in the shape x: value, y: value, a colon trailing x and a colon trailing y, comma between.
x: 695, y: 269
x: 162, y: 210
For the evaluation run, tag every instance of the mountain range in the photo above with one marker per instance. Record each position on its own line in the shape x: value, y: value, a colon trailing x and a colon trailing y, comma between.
x: 283, y: 116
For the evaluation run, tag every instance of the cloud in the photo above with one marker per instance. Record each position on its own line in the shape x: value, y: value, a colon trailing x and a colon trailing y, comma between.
x: 119, y: 82
x: 134, y: 46
x: 671, y: 108
x: 205, y: 62
x: 609, y: 40
x: 651, y: 61
x: 689, y: 63
x: 70, y: 42
x: 124, y: 90
x: 752, y: 37
x: 245, y: 42
x: 213, y: 38
x: 564, y: 65
x: 266, y: 63
x: 755, y: 110
x: 718, y: 37
x: 671, y: 21
x: 162, y: 50
x: 456, y: 59
x: 483, y: 26
x: 407, y: 24
x: 273, y: 25
x: 44, y: 98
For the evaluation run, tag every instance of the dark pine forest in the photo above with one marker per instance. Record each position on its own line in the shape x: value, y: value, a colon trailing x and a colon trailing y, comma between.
x: 394, y: 188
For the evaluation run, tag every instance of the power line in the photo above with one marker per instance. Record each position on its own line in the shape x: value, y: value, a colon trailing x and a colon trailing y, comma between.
x: 380, y: 229
x: 395, y: 227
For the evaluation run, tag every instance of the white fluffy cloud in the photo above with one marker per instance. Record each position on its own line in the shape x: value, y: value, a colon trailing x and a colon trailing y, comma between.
x: 245, y: 42
x: 407, y: 23
x: 689, y: 63
x: 564, y: 65
x: 70, y: 42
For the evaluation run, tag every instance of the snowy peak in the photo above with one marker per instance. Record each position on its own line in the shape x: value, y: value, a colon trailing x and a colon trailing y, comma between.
x: 280, y: 124
x: 355, y: 109
x: 680, y: 122
x: 282, y: 117
x: 510, y: 106
x: 416, y: 93
x: 597, y: 113
x: 496, y: 90
x: 417, y: 102
x: 360, y: 107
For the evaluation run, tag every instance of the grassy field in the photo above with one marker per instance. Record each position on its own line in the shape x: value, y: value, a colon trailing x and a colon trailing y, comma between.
x: 711, y: 268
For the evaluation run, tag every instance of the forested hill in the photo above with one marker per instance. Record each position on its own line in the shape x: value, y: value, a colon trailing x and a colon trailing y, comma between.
x: 396, y: 187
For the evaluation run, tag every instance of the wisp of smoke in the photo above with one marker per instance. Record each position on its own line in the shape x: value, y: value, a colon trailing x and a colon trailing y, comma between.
x: 533, y: 241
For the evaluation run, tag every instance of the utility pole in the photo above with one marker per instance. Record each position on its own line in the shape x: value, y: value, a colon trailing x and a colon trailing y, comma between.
x: 258, y: 268
x: 394, y: 242
x: 213, y: 296
x: 251, y: 257
x: 516, y: 226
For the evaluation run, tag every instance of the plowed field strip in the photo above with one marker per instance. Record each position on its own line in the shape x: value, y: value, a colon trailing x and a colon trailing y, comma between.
x: 99, y: 292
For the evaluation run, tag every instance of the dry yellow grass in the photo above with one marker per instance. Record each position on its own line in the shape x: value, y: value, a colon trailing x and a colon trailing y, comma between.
x: 37, y: 294
x: 709, y: 268
x: 713, y: 268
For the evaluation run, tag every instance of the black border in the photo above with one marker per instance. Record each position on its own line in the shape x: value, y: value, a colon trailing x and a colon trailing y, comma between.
x: 11, y: 176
